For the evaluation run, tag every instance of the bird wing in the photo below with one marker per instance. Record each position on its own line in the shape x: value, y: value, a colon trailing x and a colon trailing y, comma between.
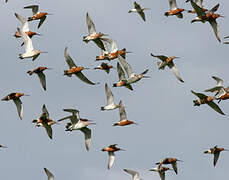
x: 36, y: 56
x: 111, y: 159
x: 215, y: 28
x: 67, y: 117
x: 162, y: 175
x: 215, y: 107
x: 142, y: 14
x: 112, y: 43
x: 218, y: 81
x: 18, y: 104
x: 215, y: 8
x: 126, y: 66
x: 41, y: 21
x: 69, y: 60
x: 83, y: 78
x: 24, y: 22
x: 99, y: 43
x: 121, y: 74
x: 49, y: 174
x: 174, y: 165
x: 214, y: 89
x: 175, y: 71
x: 199, y: 95
x: 27, y: 41
x: 216, y: 157
x: 90, y: 25
x: 42, y: 78
x: 161, y: 57
x: 110, y: 98
x: 45, y: 111
x: 172, y: 4
x: 87, y: 135
x: 33, y: 7
x: 198, y: 9
x: 122, y: 112
x: 199, y: 3
x: 48, y: 129
x: 134, y: 174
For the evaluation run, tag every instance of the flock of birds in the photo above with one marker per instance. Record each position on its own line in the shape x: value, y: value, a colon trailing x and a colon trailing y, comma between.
x: 110, y: 51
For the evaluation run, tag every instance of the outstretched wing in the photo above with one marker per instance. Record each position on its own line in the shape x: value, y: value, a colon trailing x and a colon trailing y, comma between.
x: 83, y: 78
x: 126, y: 66
x: 33, y: 7
x: 68, y: 59
x: 215, y: 107
x: 90, y: 25
x: 18, y: 104
x: 110, y: 98
x: 48, y: 129
x: 41, y: 21
x: 87, y: 135
x: 215, y: 28
x: 49, y: 174
x: 42, y: 78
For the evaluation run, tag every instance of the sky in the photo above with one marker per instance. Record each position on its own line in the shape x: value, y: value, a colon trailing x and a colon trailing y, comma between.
x: 169, y: 124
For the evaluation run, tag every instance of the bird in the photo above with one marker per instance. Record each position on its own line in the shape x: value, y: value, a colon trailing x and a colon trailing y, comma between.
x: 172, y: 161
x: 224, y: 94
x: 122, y: 78
x: 203, y: 99
x: 78, y: 123
x: 111, y: 149
x: 215, y: 151
x: 41, y: 75
x: 210, y: 16
x: 30, y: 52
x: 24, y: 28
x: 45, y: 121
x: 16, y: 98
x: 123, y: 118
x: 49, y: 174
x: 161, y: 171
x: 174, y: 10
x: 105, y: 67
x: 37, y: 15
x: 113, y: 52
x: 138, y: 9
x: 110, y: 100
x: 73, y: 69
x: 226, y: 42
x: 135, y: 174
x: 93, y: 35
x: 132, y: 77
x: 168, y: 61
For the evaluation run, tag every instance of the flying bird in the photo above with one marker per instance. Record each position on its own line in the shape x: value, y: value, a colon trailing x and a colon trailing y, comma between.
x: 105, y: 67
x: 1, y: 146
x: 16, y: 98
x: 41, y: 75
x: 78, y: 123
x: 138, y: 9
x: 174, y: 10
x: 110, y: 100
x: 73, y: 69
x: 132, y: 77
x: 93, y: 35
x: 30, y: 52
x: 123, y: 117
x: 203, y: 99
x: 172, y: 161
x: 199, y: 3
x: 37, y: 15
x: 209, y: 16
x: 49, y: 174
x: 215, y: 151
x: 45, y: 121
x: 168, y: 61
x: 161, y: 171
x: 135, y: 174
x: 218, y: 87
x: 122, y: 78
x: 111, y: 149
x: 24, y: 28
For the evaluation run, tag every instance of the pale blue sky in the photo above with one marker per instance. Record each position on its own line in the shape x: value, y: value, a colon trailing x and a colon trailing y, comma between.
x: 169, y: 125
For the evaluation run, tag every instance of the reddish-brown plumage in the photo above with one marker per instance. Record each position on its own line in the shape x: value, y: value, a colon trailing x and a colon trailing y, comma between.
x: 111, y: 149
x: 12, y: 96
x: 125, y: 123
x: 175, y: 11
x: 39, y: 16
x: 74, y: 70
x: 225, y: 96
x: 120, y: 83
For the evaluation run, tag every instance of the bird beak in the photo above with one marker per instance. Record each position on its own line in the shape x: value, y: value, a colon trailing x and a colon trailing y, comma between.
x: 43, y: 52
x: 4, y: 146
x: 146, y: 77
x: 49, y: 14
x: 176, y: 57
x: 180, y: 160
x: 49, y: 68
x: 26, y: 95
x: 38, y: 34
x: 86, y: 68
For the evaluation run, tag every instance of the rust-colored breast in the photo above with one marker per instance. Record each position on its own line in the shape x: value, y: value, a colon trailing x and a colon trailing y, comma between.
x: 175, y: 11
x: 120, y: 83
x: 210, y: 98
x: 30, y: 33
x: 125, y: 123
x: 39, y: 16
x: 225, y: 96
x: 74, y: 70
